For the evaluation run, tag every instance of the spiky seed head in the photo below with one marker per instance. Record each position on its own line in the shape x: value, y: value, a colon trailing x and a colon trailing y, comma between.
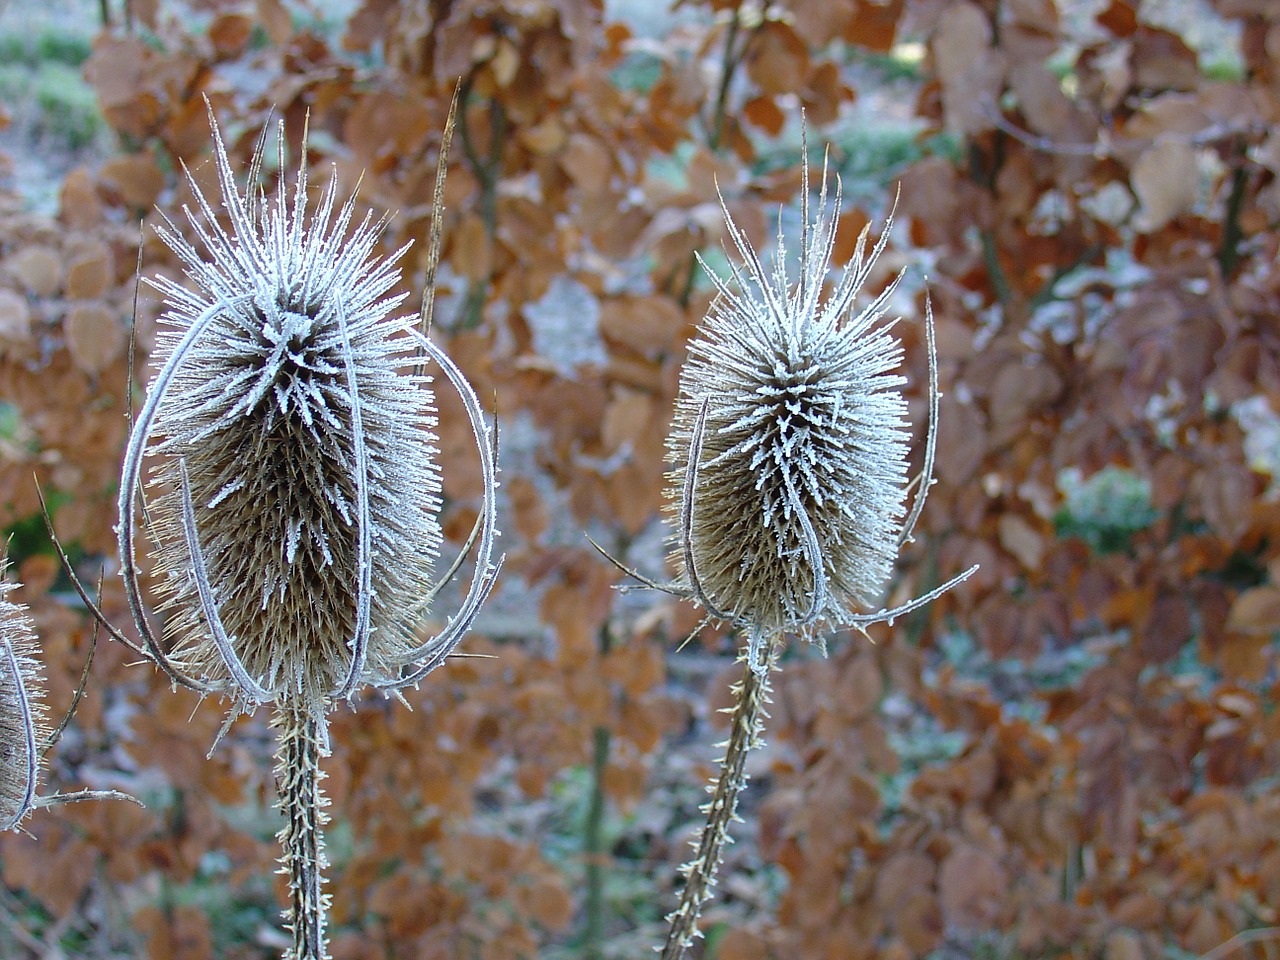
x: 294, y: 420
x: 23, y: 712
x: 791, y: 415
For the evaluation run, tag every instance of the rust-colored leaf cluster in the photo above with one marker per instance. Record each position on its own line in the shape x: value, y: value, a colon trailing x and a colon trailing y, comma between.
x: 1070, y: 755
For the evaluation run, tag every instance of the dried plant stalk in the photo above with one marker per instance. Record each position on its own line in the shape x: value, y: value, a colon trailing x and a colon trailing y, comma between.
x: 746, y: 724
x: 293, y: 506
x: 789, y: 477
x: 298, y: 776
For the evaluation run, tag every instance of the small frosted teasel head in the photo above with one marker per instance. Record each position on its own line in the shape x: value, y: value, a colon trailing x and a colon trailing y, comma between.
x: 22, y: 710
x: 293, y: 504
x: 790, y: 440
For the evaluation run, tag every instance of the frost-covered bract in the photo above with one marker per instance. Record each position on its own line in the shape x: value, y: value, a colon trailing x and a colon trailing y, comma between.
x: 790, y: 441
x: 293, y: 512
x: 22, y: 710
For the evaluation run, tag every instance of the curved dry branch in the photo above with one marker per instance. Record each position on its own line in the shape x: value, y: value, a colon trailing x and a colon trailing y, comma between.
x: 32, y: 759
x: 931, y: 433
x: 686, y: 514
x: 247, y: 687
x: 130, y: 484
x: 440, y: 646
x: 359, y: 643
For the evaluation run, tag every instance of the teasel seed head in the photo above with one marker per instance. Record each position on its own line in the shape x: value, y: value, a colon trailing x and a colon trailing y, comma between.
x: 23, y: 713
x: 293, y: 513
x: 790, y: 440
x: 789, y: 478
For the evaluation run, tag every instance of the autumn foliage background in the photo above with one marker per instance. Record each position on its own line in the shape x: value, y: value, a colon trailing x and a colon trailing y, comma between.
x: 1074, y: 754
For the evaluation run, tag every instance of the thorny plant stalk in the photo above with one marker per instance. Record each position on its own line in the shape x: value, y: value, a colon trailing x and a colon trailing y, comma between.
x: 747, y: 716
x: 298, y: 777
x: 291, y: 496
x: 789, y: 451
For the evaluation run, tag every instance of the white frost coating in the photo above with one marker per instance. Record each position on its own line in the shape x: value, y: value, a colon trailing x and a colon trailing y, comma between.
x: 790, y: 441
x: 565, y: 324
x: 288, y: 390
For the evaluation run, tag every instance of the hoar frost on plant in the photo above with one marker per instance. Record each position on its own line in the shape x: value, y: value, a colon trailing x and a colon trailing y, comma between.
x: 790, y: 441
x: 294, y: 513
x: 22, y: 710
x: 293, y: 496
x: 788, y: 480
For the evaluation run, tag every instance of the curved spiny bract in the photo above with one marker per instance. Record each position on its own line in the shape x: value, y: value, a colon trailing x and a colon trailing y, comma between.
x: 22, y: 711
x: 293, y: 514
x: 789, y: 443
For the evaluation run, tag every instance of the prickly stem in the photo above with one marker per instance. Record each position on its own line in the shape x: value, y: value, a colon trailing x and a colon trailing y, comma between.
x: 751, y: 695
x: 301, y: 743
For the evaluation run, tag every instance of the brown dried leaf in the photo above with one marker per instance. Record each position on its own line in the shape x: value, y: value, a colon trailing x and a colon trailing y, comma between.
x: 78, y: 203
x: 95, y: 336
x: 874, y: 25
x: 37, y: 269
x: 505, y: 62
x: 121, y: 71
x: 919, y: 921
x: 973, y: 887
x: 824, y: 93
x: 179, y: 933
x: 471, y: 251
x: 1020, y: 390
x: 135, y: 179
x: 969, y: 67
x: 547, y: 902
x: 1256, y: 610
x: 589, y: 161
x: 1226, y: 498
x: 1167, y: 626
x: 1124, y: 945
x: 1119, y: 18
x: 900, y: 876
x: 545, y: 137
x: 15, y: 316
x: 777, y: 60
x: 526, y: 504
x: 963, y: 441
x: 649, y: 325
x: 764, y: 112
x: 1045, y: 106
x: 628, y: 416
x: 1164, y: 61
x: 1166, y: 179
x: 275, y: 20
x: 230, y: 34
x: 90, y: 272
x: 1022, y: 540
x: 861, y: 686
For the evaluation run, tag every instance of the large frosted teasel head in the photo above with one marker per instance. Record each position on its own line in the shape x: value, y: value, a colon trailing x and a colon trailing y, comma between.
x: 790, y: 440
x: 293, y: 491
x: 22, y: 710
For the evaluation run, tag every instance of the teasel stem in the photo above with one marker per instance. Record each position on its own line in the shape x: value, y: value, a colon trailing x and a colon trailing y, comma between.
x: 751, y: 695
x: 303, y: 740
